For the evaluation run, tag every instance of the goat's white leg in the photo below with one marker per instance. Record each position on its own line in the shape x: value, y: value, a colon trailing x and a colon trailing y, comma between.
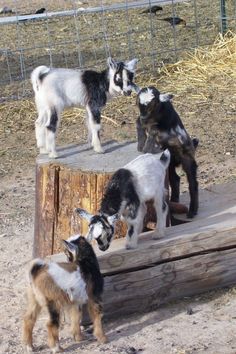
x: 135, y: 227
x: 51, y: 131
x: 40, y: 133
x: 51, y: 144
x: 161, y: 208
x: 94, y: 129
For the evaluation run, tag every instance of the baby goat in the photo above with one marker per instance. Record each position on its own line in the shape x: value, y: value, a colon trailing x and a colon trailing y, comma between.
x: 127, y: 191
x: 160, y: 124
x: 65, y: 285
x: 56, y: 89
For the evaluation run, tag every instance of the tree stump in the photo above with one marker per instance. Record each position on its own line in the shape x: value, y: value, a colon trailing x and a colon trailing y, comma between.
x: 76, y: 179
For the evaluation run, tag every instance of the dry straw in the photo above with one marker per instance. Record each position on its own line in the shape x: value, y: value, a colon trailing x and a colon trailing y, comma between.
x: 206, y: 68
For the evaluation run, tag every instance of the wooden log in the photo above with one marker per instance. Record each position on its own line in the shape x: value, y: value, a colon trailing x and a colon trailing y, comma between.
x: 191, y: 258
x: 76, y: 179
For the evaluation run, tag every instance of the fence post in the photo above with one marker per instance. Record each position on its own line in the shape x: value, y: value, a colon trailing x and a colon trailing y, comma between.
x: 223, y: 16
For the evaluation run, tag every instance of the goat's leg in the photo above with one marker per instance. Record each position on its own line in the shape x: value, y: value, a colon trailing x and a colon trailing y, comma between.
x: 190, y: 168
x: 53, y: 327
x: 40, y: 132
x: 161, y: 208
x: 135, y: 227
x: 94, y: 117
x: 95, y: 313
x: 174, y: 180
x: 141, y: 135
x: 76, y: 315
x: 30, y: 318
x: 51, y: 131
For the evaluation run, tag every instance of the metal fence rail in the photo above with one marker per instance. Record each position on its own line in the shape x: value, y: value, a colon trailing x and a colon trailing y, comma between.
x: 84, y: 35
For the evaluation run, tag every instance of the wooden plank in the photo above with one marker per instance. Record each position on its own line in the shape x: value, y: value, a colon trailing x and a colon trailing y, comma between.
x: 46, y: 205
x: 146, y: 289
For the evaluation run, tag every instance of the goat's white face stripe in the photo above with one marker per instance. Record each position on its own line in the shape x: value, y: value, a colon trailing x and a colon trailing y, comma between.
x: 97, y: 230
x: 146, y: 97
x: 126, y: 87
x: 72, y: 283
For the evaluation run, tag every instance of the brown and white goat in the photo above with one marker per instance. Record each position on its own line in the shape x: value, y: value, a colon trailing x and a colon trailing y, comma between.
x: 159, y: 126
x: 65, y: 285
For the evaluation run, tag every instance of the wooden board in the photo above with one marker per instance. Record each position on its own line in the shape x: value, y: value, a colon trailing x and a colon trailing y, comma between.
x: 191, y: 258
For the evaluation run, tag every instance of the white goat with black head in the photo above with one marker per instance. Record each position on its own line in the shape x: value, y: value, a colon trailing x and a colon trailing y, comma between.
x: 160, y: 124
x: 126, y: 195
x: 65, y: 285
x: 56, y: 89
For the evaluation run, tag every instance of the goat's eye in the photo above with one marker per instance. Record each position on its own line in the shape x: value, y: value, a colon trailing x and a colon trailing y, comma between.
x: 99, y: 241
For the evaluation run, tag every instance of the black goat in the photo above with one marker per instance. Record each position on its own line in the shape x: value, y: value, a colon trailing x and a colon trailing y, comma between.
x: 160, y: 127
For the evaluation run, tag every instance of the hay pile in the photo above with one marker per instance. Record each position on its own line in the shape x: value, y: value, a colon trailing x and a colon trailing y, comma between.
x: 206, y: 69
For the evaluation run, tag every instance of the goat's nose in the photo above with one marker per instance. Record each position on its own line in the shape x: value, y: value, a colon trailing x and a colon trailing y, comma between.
x: 127, y: 93
x: 103, y: 248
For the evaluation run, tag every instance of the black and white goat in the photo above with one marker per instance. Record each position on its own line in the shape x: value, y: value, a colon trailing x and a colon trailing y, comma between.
x: 56, y: 89
x: 160, y: 124
x: 65, y: 285
x: 126, y: 195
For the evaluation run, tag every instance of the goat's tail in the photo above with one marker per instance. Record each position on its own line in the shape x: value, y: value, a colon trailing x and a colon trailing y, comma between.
x: 35, y: 266
x: 165, y: 158
x: 38, y: 75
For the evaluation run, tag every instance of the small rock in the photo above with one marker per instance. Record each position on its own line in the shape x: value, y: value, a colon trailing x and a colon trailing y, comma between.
x: 189, y: 310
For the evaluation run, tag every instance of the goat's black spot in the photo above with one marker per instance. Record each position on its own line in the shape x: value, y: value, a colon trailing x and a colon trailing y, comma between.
x: 120, y: 188
x: 35, y: 269
x: 88, y: 263
x: 99, y: 241
x: 131, y: 231
x: 164, y: 206
x: 53, y: 313
x: 43, y: 75
x: 97, y: 84
x: 53, y: 121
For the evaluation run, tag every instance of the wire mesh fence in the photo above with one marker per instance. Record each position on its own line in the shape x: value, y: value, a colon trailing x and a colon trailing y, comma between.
x: 82, y: 34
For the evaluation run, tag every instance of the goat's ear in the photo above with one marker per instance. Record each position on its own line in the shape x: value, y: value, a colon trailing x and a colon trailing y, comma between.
x: 89, y: 237
x: 112, y: 63
x: 84, y: 214
x: 136, y: 88
x: 113, y: 218
x: 131, y: 65
x: 165, y: 97
x: 70, y: 250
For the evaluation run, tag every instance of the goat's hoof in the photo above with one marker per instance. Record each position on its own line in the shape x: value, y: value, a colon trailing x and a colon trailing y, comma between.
x: 43, y: 151
x: 53, y: 155
x: 57, y: 349
x: 78, y: 337
x: 102, y: 339
x: 29, y: 349
x: 191, y: 214
x: 99, y: 150
x: 129, y: 246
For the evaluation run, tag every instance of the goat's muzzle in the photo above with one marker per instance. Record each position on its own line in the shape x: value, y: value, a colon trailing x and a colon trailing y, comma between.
x: 104, y: 248
x: 127, y: 93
